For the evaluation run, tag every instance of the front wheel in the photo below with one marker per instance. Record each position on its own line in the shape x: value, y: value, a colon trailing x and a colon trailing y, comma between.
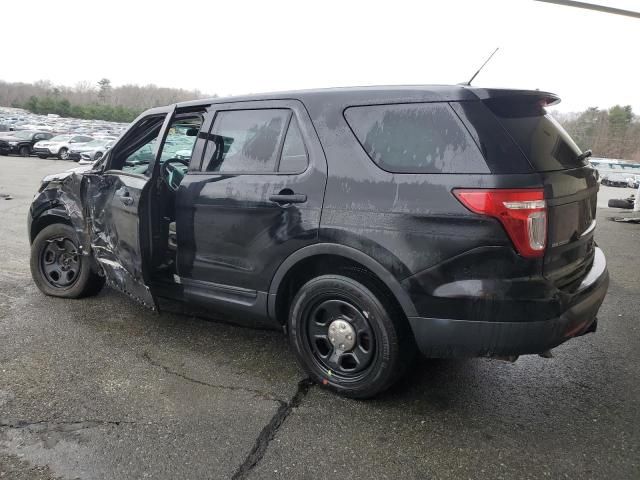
x: 63, y: 154
x: 348, y: 336
x: 59, y: 268
x: 24, y: 151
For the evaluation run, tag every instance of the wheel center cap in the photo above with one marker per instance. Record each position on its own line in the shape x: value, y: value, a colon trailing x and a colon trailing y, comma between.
x: 342, y: 335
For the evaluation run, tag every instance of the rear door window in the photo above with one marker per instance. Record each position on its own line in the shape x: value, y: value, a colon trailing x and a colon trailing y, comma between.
x: 416, y: 138
x: 246, y: 141
x: 540, y: 137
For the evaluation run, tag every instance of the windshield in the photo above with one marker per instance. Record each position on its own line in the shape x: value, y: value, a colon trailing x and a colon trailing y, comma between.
x: 61, y: 138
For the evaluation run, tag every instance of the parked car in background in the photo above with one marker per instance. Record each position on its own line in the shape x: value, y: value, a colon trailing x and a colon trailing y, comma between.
x: 19, y: 119
x: 633, y: 181
x: 21, y: 142
x: 616, y: 179
x: 59, y: 145
x: 91, y: 151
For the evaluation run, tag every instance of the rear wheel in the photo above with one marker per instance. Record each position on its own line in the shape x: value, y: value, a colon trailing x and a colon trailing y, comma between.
x: 24, y: 151
x: 348, y: 338
x: 63, y: 153
x: 59, y: 268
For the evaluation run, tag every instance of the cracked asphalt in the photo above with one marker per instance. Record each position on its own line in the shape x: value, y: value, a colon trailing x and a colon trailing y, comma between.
x: 102, y: 388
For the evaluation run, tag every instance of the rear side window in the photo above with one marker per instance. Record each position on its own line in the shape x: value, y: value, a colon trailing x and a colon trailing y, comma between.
x: 540, y: 137
x: 415, y: 138
x: 243, y: 141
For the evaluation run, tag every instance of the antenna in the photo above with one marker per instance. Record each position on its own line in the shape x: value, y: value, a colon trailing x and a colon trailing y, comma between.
x: 481, y: 67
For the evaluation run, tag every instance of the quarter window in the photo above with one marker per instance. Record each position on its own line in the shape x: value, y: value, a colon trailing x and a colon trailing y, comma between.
x: 246, y: 140
x: 415, y: 138
x: 294, y: 155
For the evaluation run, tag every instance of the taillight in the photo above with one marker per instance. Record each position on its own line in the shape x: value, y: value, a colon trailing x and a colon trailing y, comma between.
x: 522, y: 212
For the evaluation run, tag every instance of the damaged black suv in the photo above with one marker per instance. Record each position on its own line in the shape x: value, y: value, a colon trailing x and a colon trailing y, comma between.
x: 368, y: 223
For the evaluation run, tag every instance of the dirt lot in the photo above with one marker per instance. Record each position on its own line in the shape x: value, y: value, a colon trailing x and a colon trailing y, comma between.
x: 102, y: 388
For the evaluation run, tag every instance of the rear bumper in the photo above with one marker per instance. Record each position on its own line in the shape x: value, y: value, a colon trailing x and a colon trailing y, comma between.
x: 438, y: 337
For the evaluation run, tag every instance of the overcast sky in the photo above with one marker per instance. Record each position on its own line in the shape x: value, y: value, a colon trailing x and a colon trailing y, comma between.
x: 236, y: 47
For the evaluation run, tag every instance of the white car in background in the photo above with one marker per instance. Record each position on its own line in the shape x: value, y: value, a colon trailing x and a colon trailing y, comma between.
x: 92, y: 151
x: 59, y: 145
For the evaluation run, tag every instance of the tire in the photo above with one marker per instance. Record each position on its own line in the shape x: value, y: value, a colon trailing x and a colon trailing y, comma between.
x: 380, y: 343
x: 43, y: 156
x: 55, y: 248
x: 63, y: 153
x: 616, y: 203
x: 24, y: 151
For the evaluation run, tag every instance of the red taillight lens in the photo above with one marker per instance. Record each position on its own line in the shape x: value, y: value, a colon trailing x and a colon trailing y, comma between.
x: 522, y: 212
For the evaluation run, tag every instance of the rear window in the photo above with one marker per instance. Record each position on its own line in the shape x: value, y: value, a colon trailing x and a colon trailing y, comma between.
x: 542, y: 139
x: 415, y: 138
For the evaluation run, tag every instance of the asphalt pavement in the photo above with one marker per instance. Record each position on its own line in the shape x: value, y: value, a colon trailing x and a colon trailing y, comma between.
x: 103, y: 388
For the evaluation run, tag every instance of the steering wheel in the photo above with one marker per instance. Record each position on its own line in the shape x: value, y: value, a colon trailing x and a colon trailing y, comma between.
x: 171, y: 173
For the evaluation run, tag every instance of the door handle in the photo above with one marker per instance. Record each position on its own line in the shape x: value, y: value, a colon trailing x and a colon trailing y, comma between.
x: 287, y: 198
x: 124, y: 196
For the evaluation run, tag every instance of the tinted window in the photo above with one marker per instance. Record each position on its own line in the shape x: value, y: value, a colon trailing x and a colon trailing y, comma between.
x: 245, y: 140
x: 294, y: 154
x: 542, y: 139
x: 416, y: 138
x: 498, y: 148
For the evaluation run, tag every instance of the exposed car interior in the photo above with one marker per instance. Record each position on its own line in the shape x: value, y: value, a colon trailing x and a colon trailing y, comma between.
x: 136, y: 156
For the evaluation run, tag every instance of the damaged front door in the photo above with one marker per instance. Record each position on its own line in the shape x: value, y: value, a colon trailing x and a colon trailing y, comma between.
x: 117, y: 203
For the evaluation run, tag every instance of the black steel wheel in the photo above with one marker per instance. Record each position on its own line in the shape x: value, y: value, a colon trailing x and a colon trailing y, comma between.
x: 349, y: 335
x: 340, y: 337
x: 58, y: 266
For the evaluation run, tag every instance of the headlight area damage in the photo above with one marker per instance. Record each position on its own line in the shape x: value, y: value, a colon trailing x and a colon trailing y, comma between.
x: 85, y: 200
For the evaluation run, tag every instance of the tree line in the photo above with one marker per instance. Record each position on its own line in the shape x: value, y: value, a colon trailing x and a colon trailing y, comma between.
x: 609, y: 133
x: 99, y: 101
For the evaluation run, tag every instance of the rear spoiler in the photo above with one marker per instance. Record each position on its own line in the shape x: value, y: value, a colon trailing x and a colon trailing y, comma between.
x: 531, y: 97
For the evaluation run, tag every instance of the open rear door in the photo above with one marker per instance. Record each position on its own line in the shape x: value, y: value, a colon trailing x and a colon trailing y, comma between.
x: 117, y: 206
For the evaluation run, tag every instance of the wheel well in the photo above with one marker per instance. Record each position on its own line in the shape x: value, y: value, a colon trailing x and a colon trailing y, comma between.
x: 44, y: 221
x: 323, y: 264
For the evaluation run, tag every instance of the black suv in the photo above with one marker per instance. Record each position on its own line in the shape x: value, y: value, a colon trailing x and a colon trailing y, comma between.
x: 21, y: 142
x: 368, y: 223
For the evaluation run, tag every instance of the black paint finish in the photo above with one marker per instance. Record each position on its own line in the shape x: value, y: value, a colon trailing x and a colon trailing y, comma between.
x: 231, y: 228
x: 238, y: 235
